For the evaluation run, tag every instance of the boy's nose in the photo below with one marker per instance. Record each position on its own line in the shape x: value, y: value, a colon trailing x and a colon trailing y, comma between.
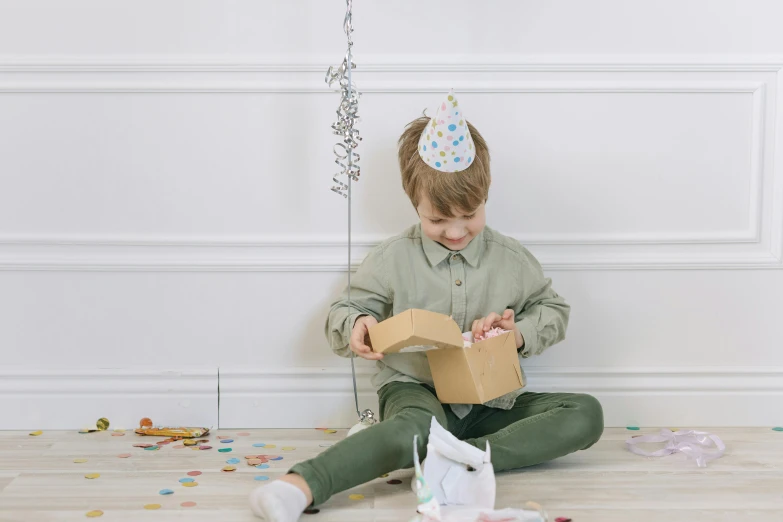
x: 455, y: 234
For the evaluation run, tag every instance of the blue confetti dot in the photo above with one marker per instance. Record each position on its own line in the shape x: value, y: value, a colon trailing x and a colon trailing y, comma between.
x: 166, y: 492
x: 227, y: 441
x: 434, y: 144
x: 425, y: 147
x: 455, y: 143
x: 263, y: 466
x: 261, y: 477
x: 470, y: 159
x: 437, y: 163
x: 186, y: 479
x: 461, y: 138
x: 452, y: 127
x: 277, y: 458
x: 777, y: 428
x: 232, y: 461
x: 259, y: 445
x: 456, y: 160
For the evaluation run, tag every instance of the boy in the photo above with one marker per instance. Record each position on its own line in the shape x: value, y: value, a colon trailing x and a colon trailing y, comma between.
x: 453, y: 264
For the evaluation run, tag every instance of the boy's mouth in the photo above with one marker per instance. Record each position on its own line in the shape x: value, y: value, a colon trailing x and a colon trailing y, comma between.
x: 456, y: 241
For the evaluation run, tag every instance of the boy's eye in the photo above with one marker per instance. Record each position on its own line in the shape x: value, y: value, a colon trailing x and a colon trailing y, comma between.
x: 436, y: 221
x: 470, y: 216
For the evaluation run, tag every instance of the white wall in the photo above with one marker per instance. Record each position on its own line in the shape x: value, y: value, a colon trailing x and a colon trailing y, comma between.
x: 166, y: 223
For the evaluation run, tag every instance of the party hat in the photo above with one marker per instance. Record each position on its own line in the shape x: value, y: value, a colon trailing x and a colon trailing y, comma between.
x: 446, y: 144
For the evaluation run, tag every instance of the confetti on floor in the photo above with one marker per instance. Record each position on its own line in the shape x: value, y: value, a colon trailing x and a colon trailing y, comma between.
x: 152, y: 448
x: 92, y: 475
x: 227, y: 441
x: 562, y: 519
x: 261, y: 477
x: 94, y: 513
x: 263, y: 466
x: 223, y: 450
x: 232, y: 461
x: 229, y: 469
x: 632, y: 428
x: 79, y: 461
x: 777, y: 428
x: 259, y: 445
x: 205, y: 447
x: 194, y: 473
x: 35, y: 433
x: 394, y: 482
x: 356, y: 497
x: 288, y: 448
x: 145, y: 446
x: 188, y: 504
x: 190, y: 484
x: 186, y: 479
x: 166, y: 491
x: 124, y: 455
x: 151, y: 506
x: 276, y: 458
x: 330, y: 431
x: 271, y: 446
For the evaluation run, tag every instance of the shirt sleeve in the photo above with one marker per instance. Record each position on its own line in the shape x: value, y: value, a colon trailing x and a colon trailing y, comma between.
x: 370, y: 295
x: 541, y: 315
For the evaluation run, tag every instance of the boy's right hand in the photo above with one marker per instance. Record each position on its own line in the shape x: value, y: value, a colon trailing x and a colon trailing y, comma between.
x: 360, y: 338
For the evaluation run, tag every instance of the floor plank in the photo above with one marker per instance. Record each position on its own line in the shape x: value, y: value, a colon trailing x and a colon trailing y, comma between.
x: 40, y: 481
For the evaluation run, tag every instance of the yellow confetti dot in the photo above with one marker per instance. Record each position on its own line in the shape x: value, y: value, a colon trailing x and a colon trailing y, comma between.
x: 189, y: 442
x: 440, y: 134
x: 92, y: 475
x: 272, y: 446
x: 442, y: 153
x: 102, y: 424
x: 229, y: 468
x: 190, y: 484
x: 79, y: 461
x: 384, y: 475
x: 326, y: 431
x: 94, y: 513
x: 288, y: 448
x: 151, y: 506
x: 461, y: 122
x: 356, y: 497
x: 35, y: 433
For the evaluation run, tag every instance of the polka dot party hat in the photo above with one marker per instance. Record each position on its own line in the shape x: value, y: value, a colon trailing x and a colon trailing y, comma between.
x: 446, y: 144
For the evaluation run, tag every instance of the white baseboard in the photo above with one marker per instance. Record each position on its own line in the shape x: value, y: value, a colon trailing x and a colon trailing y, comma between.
x: 673, y: 397
x: 72, y: 398
x: 323, y: 397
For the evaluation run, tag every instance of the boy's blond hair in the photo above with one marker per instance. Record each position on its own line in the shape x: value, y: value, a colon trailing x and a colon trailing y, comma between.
x: 447, y: 191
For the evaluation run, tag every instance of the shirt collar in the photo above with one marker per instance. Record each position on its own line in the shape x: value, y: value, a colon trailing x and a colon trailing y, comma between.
x: 436, y: 252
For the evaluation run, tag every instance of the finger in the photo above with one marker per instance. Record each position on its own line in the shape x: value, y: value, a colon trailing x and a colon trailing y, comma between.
x: 477, y: 327
x: 508, y: 314
x: 371, y: 356
x: 490, y: 320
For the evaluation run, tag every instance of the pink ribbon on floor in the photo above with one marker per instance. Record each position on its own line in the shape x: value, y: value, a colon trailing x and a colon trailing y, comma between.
x: 694, y: 444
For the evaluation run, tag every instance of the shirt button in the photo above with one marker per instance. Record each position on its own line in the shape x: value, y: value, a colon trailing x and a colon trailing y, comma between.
x: 458, y: 282
x: 454, y: 257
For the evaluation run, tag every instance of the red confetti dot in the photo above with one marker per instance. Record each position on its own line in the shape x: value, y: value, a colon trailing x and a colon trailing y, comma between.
x: 188, y: 504
x: 194, y: 473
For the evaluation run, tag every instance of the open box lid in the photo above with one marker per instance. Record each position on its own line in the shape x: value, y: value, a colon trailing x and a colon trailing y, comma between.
x: 415, y: 327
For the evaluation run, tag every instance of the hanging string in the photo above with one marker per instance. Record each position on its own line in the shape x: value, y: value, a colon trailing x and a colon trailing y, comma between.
x: 346, y: 158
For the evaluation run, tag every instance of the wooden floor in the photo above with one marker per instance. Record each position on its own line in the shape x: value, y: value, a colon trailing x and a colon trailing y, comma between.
x: 40, y: 481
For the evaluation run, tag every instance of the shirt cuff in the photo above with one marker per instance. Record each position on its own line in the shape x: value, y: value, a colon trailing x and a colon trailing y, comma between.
x: 530, y: 335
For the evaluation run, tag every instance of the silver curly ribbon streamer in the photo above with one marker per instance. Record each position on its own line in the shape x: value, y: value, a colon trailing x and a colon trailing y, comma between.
x: 347, y: 160
x: 347, y: 114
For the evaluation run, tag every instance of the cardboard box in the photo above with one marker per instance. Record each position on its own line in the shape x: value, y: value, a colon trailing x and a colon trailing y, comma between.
x: 473, y: 375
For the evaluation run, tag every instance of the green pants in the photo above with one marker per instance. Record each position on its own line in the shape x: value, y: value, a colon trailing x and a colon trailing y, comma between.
x: 540, y: 427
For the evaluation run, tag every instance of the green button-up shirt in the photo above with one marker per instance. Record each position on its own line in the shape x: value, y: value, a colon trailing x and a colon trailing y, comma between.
x: 492, y: 273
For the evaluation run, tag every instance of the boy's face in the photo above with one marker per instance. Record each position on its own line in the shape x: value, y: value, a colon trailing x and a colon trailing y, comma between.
x: 454, y: 233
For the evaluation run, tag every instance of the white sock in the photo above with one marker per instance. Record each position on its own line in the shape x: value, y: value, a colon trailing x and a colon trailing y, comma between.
x: 278, y: 501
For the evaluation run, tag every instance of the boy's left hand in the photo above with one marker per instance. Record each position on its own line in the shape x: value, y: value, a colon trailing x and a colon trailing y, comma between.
x: 505, y: 321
